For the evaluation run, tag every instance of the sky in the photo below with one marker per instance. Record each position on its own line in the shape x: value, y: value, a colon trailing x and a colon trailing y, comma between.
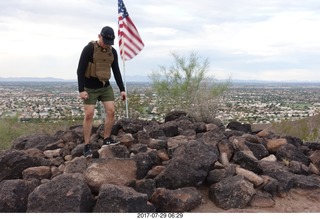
x: 274, y: 40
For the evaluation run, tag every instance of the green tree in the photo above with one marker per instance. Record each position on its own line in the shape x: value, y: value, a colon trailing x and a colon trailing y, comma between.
x: 185, y: 86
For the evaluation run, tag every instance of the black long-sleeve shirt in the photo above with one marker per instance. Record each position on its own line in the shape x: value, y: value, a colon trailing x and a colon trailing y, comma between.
x: 94, y: 83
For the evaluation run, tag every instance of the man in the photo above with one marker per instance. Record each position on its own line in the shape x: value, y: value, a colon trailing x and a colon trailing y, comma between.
x: 94, y: 71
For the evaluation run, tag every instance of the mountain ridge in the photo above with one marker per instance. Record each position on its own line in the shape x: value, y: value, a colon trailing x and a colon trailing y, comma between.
x: 32, y: 79
x: 139, y: 78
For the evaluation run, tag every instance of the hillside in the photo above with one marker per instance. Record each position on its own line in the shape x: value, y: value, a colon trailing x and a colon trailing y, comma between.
x: 307, y: 128
x: 176, y: 166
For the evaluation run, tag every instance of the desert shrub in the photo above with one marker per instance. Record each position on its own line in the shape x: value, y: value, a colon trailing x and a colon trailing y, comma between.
x: 185, y: 86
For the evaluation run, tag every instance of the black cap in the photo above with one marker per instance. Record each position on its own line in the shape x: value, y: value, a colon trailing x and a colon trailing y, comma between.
x: 107, y: 35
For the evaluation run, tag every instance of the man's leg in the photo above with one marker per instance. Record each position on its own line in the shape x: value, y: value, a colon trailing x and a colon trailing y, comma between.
x: 87, y: 122
x: 109, y: 121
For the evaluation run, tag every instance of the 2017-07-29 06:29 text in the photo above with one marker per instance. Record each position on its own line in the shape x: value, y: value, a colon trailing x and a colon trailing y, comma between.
x: 160, y: 215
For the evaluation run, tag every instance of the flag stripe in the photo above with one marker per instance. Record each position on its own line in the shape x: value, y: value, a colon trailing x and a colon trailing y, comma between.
x: 136, y: 41
x: 130, y: 42
x: 132, y: 29
x: 133, y: 44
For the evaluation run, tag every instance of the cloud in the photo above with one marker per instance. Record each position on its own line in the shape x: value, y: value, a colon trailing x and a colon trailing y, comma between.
x: 243, y: 38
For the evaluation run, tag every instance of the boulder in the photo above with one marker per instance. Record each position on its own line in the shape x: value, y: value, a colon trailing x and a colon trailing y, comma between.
x: 110, y: 171
x: 179, y: 200
x: 65, y: 193
x: 121, y: 199
x: 189, y: 166
x: 14, y: 194
x: 13, y: 162
x: 232, y: 192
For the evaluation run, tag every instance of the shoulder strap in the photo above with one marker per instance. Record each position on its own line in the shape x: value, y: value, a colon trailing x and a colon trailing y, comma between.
x: 93, y: 44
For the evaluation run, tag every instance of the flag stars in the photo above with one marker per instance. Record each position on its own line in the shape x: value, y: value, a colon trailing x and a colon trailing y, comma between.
x: 122, y: 9
x: 130, y: 42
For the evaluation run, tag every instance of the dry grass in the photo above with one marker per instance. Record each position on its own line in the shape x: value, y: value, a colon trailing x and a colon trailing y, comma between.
x: 307, y: 129
x: 11, y: 129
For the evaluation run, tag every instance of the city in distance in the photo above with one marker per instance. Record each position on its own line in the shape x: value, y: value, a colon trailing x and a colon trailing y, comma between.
x: 245, y: 101
x: 144, y: 78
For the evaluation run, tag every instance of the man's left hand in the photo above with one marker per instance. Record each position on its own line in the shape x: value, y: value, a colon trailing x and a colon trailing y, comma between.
x: 123, y: 95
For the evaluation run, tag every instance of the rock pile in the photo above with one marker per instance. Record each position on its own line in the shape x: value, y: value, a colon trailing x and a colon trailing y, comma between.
x: 157, y: 167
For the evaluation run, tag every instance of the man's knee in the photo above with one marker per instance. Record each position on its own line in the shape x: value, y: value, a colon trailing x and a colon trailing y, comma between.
x: 110, y: 113
x: 88, y: 116
x: 109, y: 109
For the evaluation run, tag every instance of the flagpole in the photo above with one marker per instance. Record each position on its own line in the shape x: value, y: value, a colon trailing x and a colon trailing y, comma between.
x: 125, y: 86
x: 130, y: 42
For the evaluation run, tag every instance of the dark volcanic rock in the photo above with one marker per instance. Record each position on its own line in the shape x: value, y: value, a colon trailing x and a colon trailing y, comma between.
x: 178, y: 200
x: 189, y: 166
x: 14, y: 194
x: 39, y: 141
x: 156, y: 167
x: 246, y: 128
x: 64, y: 193
x: 120, y: 199
x: 13, y: 162
x: 232, y: 192
x: 290, y: 152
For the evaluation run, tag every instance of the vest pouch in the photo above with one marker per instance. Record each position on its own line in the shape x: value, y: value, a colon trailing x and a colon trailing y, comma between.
x: 91, y: 70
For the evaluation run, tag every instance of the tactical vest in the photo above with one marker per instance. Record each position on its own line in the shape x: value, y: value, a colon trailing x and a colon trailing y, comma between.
x: 101, y: 66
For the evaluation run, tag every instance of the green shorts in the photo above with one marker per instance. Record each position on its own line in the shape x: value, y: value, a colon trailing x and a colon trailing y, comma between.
x: 100, y: 94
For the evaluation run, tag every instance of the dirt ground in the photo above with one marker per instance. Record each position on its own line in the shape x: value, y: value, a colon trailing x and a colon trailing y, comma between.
x: 295, y: 201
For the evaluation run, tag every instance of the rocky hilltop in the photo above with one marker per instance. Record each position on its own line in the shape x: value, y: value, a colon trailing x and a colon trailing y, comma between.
x: 176, y: 166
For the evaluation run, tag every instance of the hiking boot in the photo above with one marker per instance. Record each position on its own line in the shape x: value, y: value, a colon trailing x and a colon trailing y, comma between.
x: 109, y: 141
x: 87, y: 152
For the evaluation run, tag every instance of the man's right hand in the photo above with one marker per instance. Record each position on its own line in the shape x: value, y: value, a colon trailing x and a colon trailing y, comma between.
x: 84, y: 95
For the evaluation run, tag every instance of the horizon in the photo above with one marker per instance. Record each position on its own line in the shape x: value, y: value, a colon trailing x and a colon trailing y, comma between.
x: 145, y: 80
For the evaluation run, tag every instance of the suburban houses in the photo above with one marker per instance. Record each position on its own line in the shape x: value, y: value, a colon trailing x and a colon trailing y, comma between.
x: 244, y: 102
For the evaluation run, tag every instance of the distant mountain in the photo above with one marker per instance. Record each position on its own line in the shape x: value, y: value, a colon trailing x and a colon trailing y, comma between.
x: 144, y: 78
x: 273, y: 82
x: 127, y: 78
x: 31, y: 79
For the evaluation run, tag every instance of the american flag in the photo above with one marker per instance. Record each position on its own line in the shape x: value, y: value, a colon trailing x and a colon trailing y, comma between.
x: 130, y: 42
